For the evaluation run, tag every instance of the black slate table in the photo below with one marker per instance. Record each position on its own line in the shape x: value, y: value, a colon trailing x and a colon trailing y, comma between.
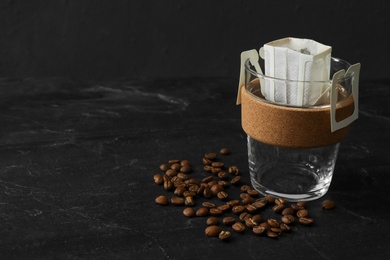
x: 78, y: 159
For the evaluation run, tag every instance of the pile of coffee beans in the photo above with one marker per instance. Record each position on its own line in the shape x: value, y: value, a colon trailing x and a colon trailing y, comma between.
x: 226, y: 214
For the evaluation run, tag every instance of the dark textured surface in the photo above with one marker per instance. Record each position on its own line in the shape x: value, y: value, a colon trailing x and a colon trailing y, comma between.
x: 176, y: 38
x: 77, y: 160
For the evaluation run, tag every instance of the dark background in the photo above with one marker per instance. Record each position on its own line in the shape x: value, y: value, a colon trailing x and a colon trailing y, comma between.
x: 165, y: 39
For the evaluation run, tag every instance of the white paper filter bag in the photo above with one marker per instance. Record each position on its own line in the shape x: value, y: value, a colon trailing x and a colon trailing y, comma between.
x: 297, y: 61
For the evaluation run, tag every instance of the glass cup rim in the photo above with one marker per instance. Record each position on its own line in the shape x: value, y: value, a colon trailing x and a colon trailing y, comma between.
x: 262, y: 76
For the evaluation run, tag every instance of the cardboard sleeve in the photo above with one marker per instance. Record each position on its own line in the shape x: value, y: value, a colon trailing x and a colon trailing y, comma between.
x: 292, y: 127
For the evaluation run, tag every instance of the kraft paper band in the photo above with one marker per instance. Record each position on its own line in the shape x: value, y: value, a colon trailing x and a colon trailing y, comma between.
x: 289, y: 126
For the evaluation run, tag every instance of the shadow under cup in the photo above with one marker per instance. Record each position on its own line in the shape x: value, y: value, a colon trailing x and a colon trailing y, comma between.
x: 289, y: 171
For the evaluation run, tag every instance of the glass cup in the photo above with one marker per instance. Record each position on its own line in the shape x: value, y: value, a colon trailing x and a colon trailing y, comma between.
x: 296, y: 174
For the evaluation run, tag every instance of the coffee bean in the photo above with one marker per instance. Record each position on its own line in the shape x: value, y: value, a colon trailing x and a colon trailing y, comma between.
x: 158, y: 179
x: 259, y: 230
x: 306, y: 221
x: 177, y: 201
x: 245, y: 187
x: 212, y: 231
x: 215, y: 212
x: 207, y: 193
x: 228, y: 221
x: 162, y: 200
x: 179, y: 191
x: 278, y: 208
x: 222, y: 195
x: 233, y: 203
x: 233, y: 170
x: 238, y: 227
x: 250, y: 223
x: 208, y: 168
x: 168, y: 185
x: 244, y: 215
x: 202, y: 212
x: 212, y: 221
x: 224, y: 151
x: 207, y: 179
x: 224, y: 207
x: 191, y: 181
x: 171, y: 172
x: 280, y: 201
x: 223, y: 175
x: 189, y: 212
x: 297, y: 207
x: 250, y: 208
x: 207, y: 161
x: 184, y: 162
x: 288, y: 211
x: 272, y: 234
x: 215, y: 170
x: 217, y: 164
x: 210, y: 156
x: 270, y: 199
x: 208, y: 204
x: 189, y: 201
x: 235, y: 180
x: 302, y: 213
x: 186, y: 169
x: 224, y: 235
x: 273, y: 222
x: 216, y: 188
x: 253, y: 193
x: 328, y: 204
x: 223, y: 183
x: 276, y: 230
x: 238, y: 209
x: 176, y: 167
x: 258, y: 218
x: 189, y: 193
x: 164, y: 167
x: 173, y: 161
x: 246, y: 199
x: 285, y: 228
x: 259, y: 204
x: 288, y: 219
x: 301, y: 204
x: 182, y: 176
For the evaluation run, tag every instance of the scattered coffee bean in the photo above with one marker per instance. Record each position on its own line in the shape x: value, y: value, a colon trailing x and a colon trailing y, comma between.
x: 212, y: 221
x: 288, y: 211
x: 176, y: 179
x: 272, y: 234
x: 177, y: 201
x: 189, y: 201
x: 328, y: 204
x: 212, y: 231
x: 306, y: 221
x: 222, y: 195
x: 162, y: 200
x: 233, y: 170
x: 215, y: 212
x: 202, y: 212
x: 259, y: 230
x: 228, y: 221
x: 164, y: 167
x: 158, y: 179
x: 302, y: 213
x: 235, y: 180
x: 273, y: 222
x: 224, y: 235
x: 238, y: 227
x: 189, y: 212
x: 217, y: 164
x: 288, y: 219
x: 224, y: 151
x: 210, y: 156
